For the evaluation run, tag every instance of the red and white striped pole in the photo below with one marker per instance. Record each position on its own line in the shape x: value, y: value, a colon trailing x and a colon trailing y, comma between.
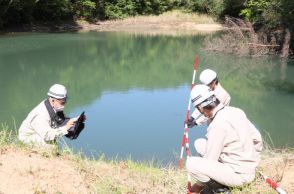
x: 185, y: 140
x: 273, y: 184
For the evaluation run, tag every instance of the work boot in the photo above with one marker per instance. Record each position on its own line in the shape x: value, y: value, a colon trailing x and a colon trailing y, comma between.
x: 196, y: 189
x: 216, y: 187
x: 206, y: 190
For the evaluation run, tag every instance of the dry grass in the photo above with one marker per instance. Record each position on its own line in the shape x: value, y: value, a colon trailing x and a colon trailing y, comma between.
x: 39, y: 171
x: 242, y: 39
x: 169, y: 23
x: 172, y: 16
x: 45, y: 172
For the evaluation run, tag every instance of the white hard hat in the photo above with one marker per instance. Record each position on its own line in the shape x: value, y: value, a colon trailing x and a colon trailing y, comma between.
x: 200, y: 93
x: 207, y: 76
x: 57, y: 91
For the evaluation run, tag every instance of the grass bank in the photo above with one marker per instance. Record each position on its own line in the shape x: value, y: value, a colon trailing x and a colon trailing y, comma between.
x: 169, y: 23
x: 39, y: 171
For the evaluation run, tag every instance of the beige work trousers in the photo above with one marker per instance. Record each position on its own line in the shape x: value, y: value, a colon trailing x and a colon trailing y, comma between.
x: 204, y: 169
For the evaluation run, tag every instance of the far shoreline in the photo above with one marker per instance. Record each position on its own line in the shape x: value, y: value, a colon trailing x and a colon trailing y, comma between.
x: 169, y: 23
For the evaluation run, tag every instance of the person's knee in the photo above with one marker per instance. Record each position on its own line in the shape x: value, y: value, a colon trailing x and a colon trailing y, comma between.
x: 188, y: 164
x: 192, y: 163
x: 195, y: 166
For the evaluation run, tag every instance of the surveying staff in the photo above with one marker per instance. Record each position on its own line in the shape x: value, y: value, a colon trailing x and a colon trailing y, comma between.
x: 231, y: 151
x: 209, y: 78
x: 46, y: 122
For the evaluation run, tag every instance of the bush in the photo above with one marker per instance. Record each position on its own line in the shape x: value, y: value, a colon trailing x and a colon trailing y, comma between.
x: 120, y: 9
x: 265, y: 12
x: 124, y: 8
x: 84, y: 9
x: 52, y: 10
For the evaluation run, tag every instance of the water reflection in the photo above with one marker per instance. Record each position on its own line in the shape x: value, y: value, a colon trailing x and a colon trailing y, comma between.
x: 87, y: 64
x: 134, y: 89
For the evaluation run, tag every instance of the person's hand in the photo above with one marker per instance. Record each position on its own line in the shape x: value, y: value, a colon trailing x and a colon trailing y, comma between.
x: 191, y: 122
x: 70, y: 123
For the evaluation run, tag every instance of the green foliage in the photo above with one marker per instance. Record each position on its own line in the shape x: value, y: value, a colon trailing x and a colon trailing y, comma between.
x: 123, y: 8
x: 16, y: 11
x: 30, y: 11
x: 288, y: 12
x: 271, y: 14
x: 120, y: 9
x: 233, y: 7
x: 84, y: 9
x: 7, y: 136
x: 52, y: 10
x: 218, y: 8
x: 266, y: 12
x: 154, y: 6
x: 287, y: 17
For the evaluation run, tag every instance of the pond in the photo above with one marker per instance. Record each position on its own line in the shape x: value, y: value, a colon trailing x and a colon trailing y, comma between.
x: 135, y: 89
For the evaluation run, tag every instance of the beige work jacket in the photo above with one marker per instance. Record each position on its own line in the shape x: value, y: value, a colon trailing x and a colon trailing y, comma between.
x: 36, y: 128
x: 233, y: 140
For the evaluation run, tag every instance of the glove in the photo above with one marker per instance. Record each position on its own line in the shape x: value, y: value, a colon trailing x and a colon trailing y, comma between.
x: 191, y: 122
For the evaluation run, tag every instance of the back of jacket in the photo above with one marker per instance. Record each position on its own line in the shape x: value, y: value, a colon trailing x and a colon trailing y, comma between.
x: 233, y: 140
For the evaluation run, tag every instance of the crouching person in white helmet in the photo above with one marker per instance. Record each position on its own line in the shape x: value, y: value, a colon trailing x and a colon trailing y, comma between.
x: 209, y: 77
x: 230, y: 153
x: 46, y: 122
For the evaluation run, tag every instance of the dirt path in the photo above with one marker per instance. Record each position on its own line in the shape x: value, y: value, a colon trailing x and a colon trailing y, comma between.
x: 29, y: 172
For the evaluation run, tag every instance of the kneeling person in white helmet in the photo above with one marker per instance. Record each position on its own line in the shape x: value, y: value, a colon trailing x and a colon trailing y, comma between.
x: 231, y: 150
x: 209, y: 78
x: 46, y: 122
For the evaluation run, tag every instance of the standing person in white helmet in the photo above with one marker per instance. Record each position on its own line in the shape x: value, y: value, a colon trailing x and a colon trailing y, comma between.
x: 231, y: 150
x: 46, y: 122
x: 209, y: 77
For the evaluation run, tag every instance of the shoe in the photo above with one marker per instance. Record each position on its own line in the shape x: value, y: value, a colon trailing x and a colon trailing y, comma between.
x: 223, y: 191
x: 206, y: 190
x: 196, y: 188
x: 216, y: 187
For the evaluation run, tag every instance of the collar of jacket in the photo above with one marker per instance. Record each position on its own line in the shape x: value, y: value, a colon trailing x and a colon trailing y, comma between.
x: 216, y: 110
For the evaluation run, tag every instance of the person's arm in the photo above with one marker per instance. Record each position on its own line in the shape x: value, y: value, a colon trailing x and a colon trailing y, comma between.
x: 42, y: 127
x: 215, y: 143
x: 226, y: 97
x: 222, y: 95
x: 256, y: 137
x: 227, y: 100
x: 199, y: 118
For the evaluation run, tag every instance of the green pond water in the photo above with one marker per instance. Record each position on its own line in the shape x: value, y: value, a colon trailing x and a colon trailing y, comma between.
x: 135, y: 89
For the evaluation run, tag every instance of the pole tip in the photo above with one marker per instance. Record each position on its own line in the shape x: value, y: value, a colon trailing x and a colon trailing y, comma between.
x: 189, y: 188
x: 196, y: 62
x: 181, y: 163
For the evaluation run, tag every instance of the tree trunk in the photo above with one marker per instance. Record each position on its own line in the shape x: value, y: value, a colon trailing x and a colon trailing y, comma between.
x: 286, y: 44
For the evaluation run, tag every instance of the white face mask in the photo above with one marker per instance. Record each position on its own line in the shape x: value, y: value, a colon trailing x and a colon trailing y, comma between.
x: 59, y: 109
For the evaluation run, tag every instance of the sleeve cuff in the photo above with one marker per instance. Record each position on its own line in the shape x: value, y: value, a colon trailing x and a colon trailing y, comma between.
x: 63, y: 130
